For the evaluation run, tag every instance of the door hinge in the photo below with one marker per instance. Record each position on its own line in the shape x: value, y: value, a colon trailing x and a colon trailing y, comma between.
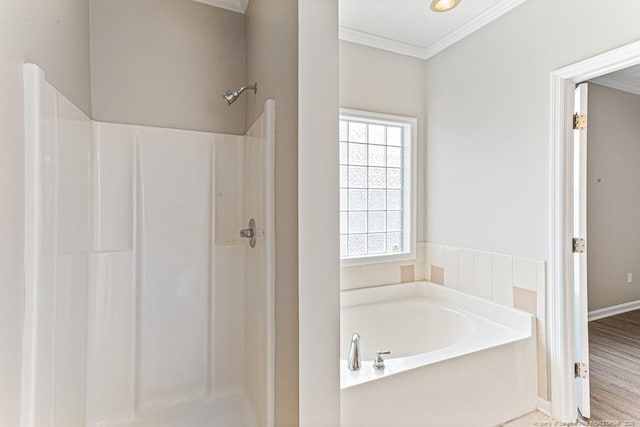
x: 580, y: 370
x: 578, y: 246
x: 579, y: 121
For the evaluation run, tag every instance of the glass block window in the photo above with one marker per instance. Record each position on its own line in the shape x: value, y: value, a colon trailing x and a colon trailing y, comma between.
x: 374, y: 184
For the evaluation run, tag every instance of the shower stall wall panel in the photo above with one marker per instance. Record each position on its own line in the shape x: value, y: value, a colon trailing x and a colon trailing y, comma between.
x: 111, y: 338
x: 74, y: 185
x: 258, y: 194
x: 174, y: 320
x: 57, y: 242
x: 144, y: 307
x: 228, y: 346
x: 229, y: 189
x: 227, y: 365
x: 173, y: 266
x: 114, y: 163
x: 112, y: 292
x: 73, y: 232
x: 70, y: 339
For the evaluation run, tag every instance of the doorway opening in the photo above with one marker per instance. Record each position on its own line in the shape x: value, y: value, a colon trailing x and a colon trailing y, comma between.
x: 611, y: 189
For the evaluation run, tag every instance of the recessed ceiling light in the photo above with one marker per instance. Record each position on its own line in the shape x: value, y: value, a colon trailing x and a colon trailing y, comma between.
x: 443, y: 5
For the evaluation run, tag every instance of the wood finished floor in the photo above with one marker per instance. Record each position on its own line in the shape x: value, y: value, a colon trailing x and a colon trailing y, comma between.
x: 614, y: 346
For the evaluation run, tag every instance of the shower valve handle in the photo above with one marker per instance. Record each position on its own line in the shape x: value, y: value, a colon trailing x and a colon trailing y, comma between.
x: 250, y: 233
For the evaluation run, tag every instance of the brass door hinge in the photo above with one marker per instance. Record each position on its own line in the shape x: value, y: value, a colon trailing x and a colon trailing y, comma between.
x: 580, y: 370
x: 579, y: 121
x: 578, y: 246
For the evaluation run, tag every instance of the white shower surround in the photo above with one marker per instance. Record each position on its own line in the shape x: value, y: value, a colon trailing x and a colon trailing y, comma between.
x: 454, y: 357
x: 143, y: 305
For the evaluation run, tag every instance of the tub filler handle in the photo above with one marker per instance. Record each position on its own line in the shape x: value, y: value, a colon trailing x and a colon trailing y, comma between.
x: 378, y: 362
x: 354, y: 360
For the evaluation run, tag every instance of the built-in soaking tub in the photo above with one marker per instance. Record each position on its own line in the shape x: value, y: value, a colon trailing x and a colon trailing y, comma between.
x: 455, y: 359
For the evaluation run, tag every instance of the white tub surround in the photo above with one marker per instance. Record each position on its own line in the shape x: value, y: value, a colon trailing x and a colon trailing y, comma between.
x: 504, y: 279
x: 507, y: 280
x: 452, y: 355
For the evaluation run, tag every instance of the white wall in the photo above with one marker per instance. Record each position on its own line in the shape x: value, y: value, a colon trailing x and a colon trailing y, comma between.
x: 613, y: 223
x: 272, y: 60
x: 318, y: 228
x: 55, y: 35
x: 488, y: 121
x: 167, y: 63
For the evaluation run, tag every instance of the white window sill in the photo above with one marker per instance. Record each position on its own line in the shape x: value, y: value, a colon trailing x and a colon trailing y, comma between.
x: 377, y: 259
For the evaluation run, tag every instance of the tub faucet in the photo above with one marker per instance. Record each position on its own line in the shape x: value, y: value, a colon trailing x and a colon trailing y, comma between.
x: 353, y: 362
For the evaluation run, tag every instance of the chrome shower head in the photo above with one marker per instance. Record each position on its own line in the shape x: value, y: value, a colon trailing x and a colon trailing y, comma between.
x: 231, y: 97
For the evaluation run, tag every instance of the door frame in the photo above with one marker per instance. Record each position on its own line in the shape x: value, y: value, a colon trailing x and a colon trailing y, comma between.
x: 560, y: 325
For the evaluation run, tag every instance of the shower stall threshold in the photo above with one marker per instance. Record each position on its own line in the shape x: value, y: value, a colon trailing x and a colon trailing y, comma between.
x: 229, y: 411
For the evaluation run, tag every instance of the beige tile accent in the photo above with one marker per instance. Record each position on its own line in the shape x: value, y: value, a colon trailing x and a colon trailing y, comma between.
x: 437, y: 275
x: 407, y: 273
x: 524, y: 299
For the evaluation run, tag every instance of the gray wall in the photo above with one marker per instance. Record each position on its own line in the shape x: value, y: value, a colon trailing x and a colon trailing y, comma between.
x: 613, y: 196
x: 488, y: 121
x: 54, y: 35
x: 166, y: 63
x: 385, y: 82
x: 272, y: 60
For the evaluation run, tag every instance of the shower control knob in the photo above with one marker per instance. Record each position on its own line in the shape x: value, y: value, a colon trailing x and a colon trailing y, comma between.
x: 250, y: 233
x: 247, y: 233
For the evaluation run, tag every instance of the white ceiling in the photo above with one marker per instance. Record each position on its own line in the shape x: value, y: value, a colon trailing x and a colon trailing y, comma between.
x: 627, y: 80
x: 410, y: 27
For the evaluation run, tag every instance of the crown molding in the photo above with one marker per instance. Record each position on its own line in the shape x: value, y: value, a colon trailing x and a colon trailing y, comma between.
x: 616, y: 83
x: 473, y: 25
x: 239, y: 6
x: 488, y: 16
x: 366, y: 39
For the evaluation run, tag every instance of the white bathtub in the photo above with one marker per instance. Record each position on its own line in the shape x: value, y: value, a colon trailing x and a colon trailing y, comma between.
x: 455, y: 359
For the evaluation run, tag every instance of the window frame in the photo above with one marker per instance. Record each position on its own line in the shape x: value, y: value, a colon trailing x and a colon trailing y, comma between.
x: 409, y: 208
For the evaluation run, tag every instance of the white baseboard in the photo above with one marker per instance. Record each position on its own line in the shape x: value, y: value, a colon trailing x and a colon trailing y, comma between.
x: 544, y: 406
x: 612, y: 311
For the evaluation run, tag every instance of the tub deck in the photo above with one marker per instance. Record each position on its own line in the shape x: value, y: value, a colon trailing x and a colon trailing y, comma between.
x: 494, y: 325
x: 483, y: 378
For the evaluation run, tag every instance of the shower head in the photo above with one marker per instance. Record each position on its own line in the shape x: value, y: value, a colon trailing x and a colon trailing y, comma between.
x: 231, y: 97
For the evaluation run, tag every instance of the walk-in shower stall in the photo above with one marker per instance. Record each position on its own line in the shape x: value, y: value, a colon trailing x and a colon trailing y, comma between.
x: 145, y: 306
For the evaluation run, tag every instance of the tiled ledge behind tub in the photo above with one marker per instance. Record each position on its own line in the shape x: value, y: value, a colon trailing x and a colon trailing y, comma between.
x: 364, y: 276
x: 506, y: 280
